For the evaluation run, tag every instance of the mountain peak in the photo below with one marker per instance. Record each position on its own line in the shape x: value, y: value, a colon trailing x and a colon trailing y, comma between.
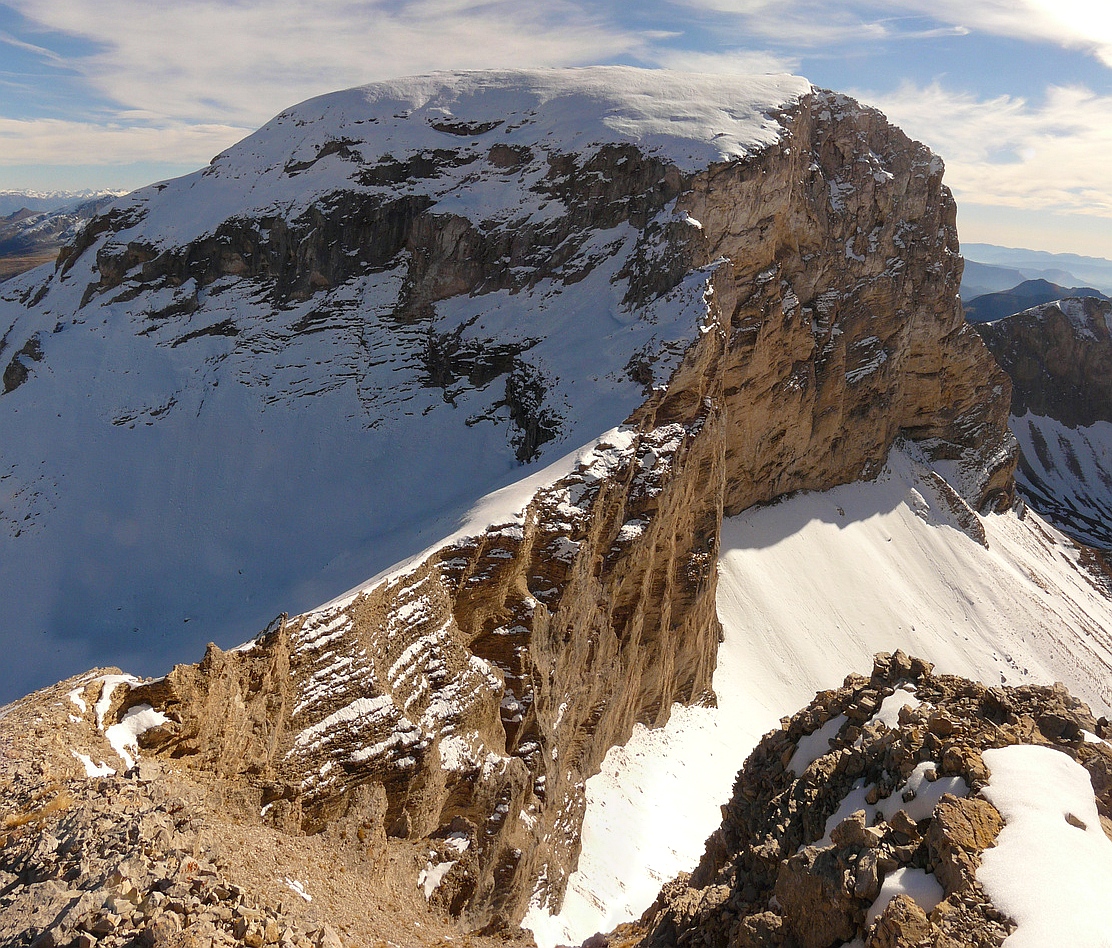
x: 496, y: 353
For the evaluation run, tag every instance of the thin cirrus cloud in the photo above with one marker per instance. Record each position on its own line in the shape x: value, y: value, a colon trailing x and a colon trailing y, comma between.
x: 810, y: 24
x: 1077, y: 24
x: 194, y: 59
x: 1006, y: 151
x: 40, y: 51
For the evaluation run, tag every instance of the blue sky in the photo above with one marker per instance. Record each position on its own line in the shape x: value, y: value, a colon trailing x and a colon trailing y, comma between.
x: 1016, y: 95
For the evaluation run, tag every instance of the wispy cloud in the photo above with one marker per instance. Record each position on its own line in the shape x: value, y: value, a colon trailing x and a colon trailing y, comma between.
x: 50, y: 141
x: 1007, y: 151
x: 195, y: 59
x: 8, y: 40
x: 1078, y: 24
x: 811, y: 24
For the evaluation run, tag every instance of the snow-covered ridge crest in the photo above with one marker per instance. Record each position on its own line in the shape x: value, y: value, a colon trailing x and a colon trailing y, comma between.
x: 686, y: 120
x: 375, y: 363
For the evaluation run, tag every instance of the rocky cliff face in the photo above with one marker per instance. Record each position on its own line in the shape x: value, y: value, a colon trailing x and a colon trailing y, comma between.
x: 868, y: 815
x: 794, y: 311
x: 1059, y: 357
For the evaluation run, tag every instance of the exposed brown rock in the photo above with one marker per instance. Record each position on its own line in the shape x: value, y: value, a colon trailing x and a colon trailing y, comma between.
x: 813, y: 898
x: 960, y: 829
x: 903, y: 924
x: 469, y: 697
x: 770, y: 841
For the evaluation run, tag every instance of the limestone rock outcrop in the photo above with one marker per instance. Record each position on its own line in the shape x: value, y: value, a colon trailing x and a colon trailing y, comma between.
x: 457, y: 705
x: 874, y: 783
x: 162, y: 858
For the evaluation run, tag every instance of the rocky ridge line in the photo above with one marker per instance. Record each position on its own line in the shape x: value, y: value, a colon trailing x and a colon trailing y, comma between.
x: 152, y: 858
x: 470, y: 696
x: 878, y: 776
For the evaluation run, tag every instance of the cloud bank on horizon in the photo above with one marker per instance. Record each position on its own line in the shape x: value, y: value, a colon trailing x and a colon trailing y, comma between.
x: 1016, y: 95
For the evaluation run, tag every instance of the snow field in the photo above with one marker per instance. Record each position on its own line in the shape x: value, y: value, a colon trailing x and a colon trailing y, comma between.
x: 809, y: 589
x: 1051, y: 868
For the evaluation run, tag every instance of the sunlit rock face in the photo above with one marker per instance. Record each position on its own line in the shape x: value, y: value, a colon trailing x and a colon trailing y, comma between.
x: 252, y: 388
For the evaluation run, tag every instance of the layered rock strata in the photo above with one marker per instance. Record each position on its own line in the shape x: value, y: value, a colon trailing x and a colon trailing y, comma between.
x: 875, y: 784
x: 461, y: 703
x: 1059, y: 357
x: 158, y: 857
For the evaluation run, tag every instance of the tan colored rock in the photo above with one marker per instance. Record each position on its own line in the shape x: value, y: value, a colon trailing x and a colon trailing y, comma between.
x: 903, y: 924
x: 960, y: 830
x: 853, y: 831
x: 161, y: 931
x: 327, y: 938
x: 814, y: 902
x: 763, y: 850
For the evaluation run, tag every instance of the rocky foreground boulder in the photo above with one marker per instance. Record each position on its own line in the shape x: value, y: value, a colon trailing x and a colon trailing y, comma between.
x: 865, y: 818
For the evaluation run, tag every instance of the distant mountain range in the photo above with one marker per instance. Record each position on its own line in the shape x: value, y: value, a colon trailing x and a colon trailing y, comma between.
x: 34, y: 231
x: 13, y: 200
x: 992, y: 306
x: 989, y: 269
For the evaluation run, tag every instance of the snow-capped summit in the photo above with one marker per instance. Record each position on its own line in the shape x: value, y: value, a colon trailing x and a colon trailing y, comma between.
x: 481, y: 362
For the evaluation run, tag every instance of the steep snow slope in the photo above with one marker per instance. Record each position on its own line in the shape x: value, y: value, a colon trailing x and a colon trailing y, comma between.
x: 248, y: 389
x: 1059, y: 356
x: 1066, y: 472
x: 809, y: 589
